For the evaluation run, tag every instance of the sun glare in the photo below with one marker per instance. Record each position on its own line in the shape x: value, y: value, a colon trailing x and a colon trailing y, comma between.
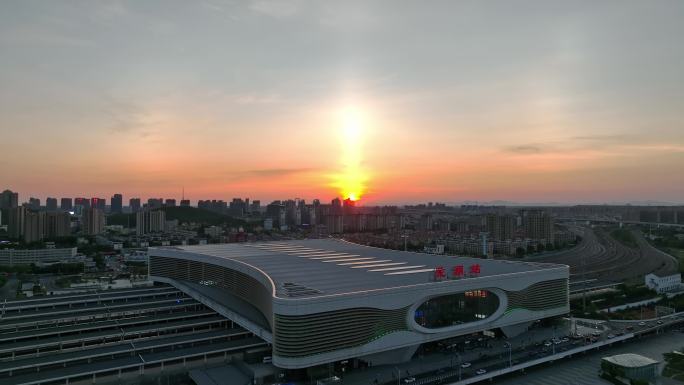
x: 351, y: 181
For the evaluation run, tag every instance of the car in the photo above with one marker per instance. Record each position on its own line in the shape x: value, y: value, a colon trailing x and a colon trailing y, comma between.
x: 642, y: 323
x: 409, y: 380
x: 659, y: 322
x: 565, y: 339
x: 596, y: 334
x: 547, y: 343
x: 480, y: 372
x: 466, y: 365
x: 610, y: 336
x: 556, y: 341
x: 629, y: 328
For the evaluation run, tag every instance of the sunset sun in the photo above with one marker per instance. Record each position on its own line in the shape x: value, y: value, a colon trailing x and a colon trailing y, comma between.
x: 351, y: 180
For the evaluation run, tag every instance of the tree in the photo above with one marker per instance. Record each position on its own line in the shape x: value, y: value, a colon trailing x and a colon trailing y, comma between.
x: 519, y: 252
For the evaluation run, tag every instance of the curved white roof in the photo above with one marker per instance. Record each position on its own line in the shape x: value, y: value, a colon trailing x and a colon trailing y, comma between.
x: 313, y: 267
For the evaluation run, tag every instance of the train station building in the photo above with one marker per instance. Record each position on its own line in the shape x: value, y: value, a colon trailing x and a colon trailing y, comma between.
x: 321, y: 301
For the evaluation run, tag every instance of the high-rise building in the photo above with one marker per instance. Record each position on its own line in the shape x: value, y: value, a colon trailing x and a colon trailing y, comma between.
x: 150, y: 221
x: 170, y: 202
x: 34, y: 203
x: 117, y: 204
x: 155, y: 203
x: 255, y: 206
x: 57, y: 224
x: 185, y: 203
x: 426, y: 222
x: 237, y: 207
x: 500, y: 227
x: 84, y: 203
x: 276, y: 211
x: 538, y: 225
x: 98, y: 203
x: 134, y: 204
x: 66, y: 204
x: 16, y: 221
x: 93, y: 221
x: 51, y: 204
x: 9, y: 199
x: 34, y: 226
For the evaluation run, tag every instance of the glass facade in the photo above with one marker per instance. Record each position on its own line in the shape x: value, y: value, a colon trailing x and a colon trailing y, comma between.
x: 456, y: 309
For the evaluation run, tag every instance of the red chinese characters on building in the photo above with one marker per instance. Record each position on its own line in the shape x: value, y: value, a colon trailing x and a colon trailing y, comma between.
x: 440, y: 273
x: 475, y: 269
x: 457, y: 272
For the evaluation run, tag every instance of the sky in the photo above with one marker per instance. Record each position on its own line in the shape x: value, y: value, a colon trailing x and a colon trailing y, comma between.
x: 389, y: 101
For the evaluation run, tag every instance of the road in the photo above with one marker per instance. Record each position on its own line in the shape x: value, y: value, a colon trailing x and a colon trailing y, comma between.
x: 442, y: 368
x: 583, y: 369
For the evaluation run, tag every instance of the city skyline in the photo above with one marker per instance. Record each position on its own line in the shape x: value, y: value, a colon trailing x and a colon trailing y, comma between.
x: 564, y: 103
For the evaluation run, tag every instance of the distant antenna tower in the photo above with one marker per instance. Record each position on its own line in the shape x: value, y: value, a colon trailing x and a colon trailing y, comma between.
x: 183, y: 194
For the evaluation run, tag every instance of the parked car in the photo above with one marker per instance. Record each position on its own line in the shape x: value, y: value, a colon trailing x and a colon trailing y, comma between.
x: 642, y: 323
x: 547, y: 343
x: 466, y: 365
x: 611, y: 336
x: 480, y: 372
x: 409, y: 380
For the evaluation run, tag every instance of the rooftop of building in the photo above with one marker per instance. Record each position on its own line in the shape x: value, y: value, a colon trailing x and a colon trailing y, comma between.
x: 316, y: 267
x: 630, y: 360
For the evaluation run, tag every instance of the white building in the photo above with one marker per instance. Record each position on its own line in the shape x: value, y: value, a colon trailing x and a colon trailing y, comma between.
x: 319, y: 301
x: 150, y: 221
x: 11, y: 257
x: 663, y: 284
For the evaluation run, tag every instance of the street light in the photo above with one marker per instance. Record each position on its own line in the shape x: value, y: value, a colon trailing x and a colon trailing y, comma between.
x: 459, y: 365
x: 510, y: 355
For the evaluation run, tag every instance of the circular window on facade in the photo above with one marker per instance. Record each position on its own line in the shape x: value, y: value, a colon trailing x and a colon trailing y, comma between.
x: 456, y: 309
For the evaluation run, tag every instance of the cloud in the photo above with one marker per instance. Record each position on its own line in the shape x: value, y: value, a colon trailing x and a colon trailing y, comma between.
x: 277, y: 172
x: 277, y: 9
x: 524, y: 149
x: 128, y: 118
x: 256, y: 99
x: 265, y: 173
x: 601, y: 138
x: 125, y: 117
x: 29, y: 36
